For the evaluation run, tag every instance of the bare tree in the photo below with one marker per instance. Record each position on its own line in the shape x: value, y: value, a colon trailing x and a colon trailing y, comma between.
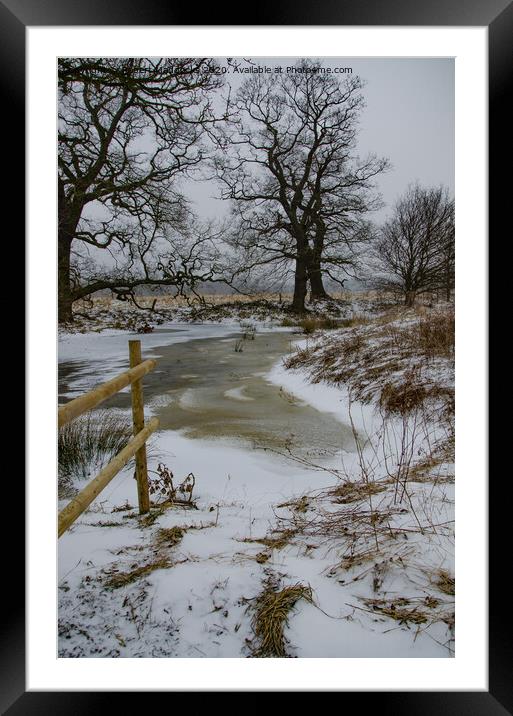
x: 299, y: 195
x: 414, y: 249
x: 128, y: 130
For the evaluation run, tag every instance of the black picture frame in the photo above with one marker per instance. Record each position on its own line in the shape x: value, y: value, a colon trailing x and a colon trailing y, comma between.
x: 497, y: 15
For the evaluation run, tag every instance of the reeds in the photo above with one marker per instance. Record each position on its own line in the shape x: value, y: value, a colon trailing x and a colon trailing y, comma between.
x: 88, y: 443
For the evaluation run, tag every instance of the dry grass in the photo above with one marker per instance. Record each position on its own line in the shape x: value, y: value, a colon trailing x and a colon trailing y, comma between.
x: 361, y: 529
x: 262, y: 557
x: 331, y: 362
x: 398, y: 609
x: 282, y: 539
x: 355, y: 559
x: 149, y: 519
x: 421, y: 610
x: 122, y: 579
x: 311, y: 324
x: 431, y: 333
x: 301, y: 504
x: 355, y: 491
x: 436, y: 334
x: 169, y: 536
x: 411, y: 394
x: 388, y: 360
x: 445, y: 582
x: 165, y: 538
x: 272, y: 609
x: 405, y: 396
x: 123, y: 508
x: 423, y: 471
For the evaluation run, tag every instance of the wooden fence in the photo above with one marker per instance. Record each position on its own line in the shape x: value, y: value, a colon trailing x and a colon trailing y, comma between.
x: 136, y: 446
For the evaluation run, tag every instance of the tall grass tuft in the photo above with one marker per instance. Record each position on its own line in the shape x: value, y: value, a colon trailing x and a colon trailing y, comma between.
x: 435, y: 334
x: 88, y: 443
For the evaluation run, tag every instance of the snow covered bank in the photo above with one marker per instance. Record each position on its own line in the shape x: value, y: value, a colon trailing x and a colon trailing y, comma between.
x: 200, y: 605
x: 374, y: 543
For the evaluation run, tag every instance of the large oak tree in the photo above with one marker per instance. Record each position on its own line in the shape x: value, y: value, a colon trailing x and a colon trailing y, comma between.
x: 299, y: 193
x: 129, y: 130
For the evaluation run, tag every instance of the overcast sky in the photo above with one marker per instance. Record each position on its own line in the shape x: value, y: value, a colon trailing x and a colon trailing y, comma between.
x: 408, y: 118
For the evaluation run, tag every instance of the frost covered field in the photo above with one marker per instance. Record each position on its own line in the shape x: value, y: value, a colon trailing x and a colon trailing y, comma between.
x: 287, y: 549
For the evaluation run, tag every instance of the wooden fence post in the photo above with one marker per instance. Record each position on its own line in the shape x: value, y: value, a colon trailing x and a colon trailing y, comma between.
x: 141, y: 465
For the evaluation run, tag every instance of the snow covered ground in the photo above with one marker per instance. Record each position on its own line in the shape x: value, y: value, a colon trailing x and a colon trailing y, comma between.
x: 380, y: 567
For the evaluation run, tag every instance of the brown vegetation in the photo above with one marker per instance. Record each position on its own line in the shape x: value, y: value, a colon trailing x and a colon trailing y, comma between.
x: 389, y: 360
x: 272, y: 608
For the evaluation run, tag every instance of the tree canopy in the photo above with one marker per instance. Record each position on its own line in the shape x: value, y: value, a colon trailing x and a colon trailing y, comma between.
x: 129, y: 131
x: 300, y: 194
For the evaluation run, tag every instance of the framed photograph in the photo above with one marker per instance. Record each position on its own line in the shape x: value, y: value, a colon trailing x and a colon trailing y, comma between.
x: 259, y: 287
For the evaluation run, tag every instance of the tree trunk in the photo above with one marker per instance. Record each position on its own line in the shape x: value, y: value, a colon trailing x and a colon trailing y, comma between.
x: 317, y: 290
x: 300, y: 286
x: 69, y: 216
x: 65, y: 296
x: 409, y: 299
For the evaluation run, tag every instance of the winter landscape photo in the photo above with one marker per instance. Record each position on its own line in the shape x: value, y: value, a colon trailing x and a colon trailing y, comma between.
x: 256, y: 331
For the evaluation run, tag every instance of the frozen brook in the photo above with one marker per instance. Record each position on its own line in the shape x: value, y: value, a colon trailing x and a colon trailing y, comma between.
x: 260, y: 441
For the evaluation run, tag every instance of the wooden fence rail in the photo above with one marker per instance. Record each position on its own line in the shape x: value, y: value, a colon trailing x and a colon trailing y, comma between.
x: 90, y: 400
x: 136, y: 446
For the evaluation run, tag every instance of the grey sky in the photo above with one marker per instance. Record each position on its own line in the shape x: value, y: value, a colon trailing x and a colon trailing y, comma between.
x: 408, y: 118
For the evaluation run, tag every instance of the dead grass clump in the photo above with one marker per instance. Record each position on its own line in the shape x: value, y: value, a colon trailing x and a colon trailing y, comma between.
x: 123, y: 508
x: 423, y: 471
x: 282, y: 538
x: 331, y: 362
x: 449, y: 618
x: 300, y: 357
x: 435, y: 334
x: 272, y: 609
x: 411, y: 394
x: 122, y: 579
x: 445, y: 582
x: 355, y: 491
x: 262, y: 557
x: 352, y: 344
x: 169, y: 536
x: 431, y: 335
x: 150, y: 517
x: 398, y: 609
x: 299, y: 505
x: 308, y: 325
x: 404, y: 397
x: 355, y: 559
